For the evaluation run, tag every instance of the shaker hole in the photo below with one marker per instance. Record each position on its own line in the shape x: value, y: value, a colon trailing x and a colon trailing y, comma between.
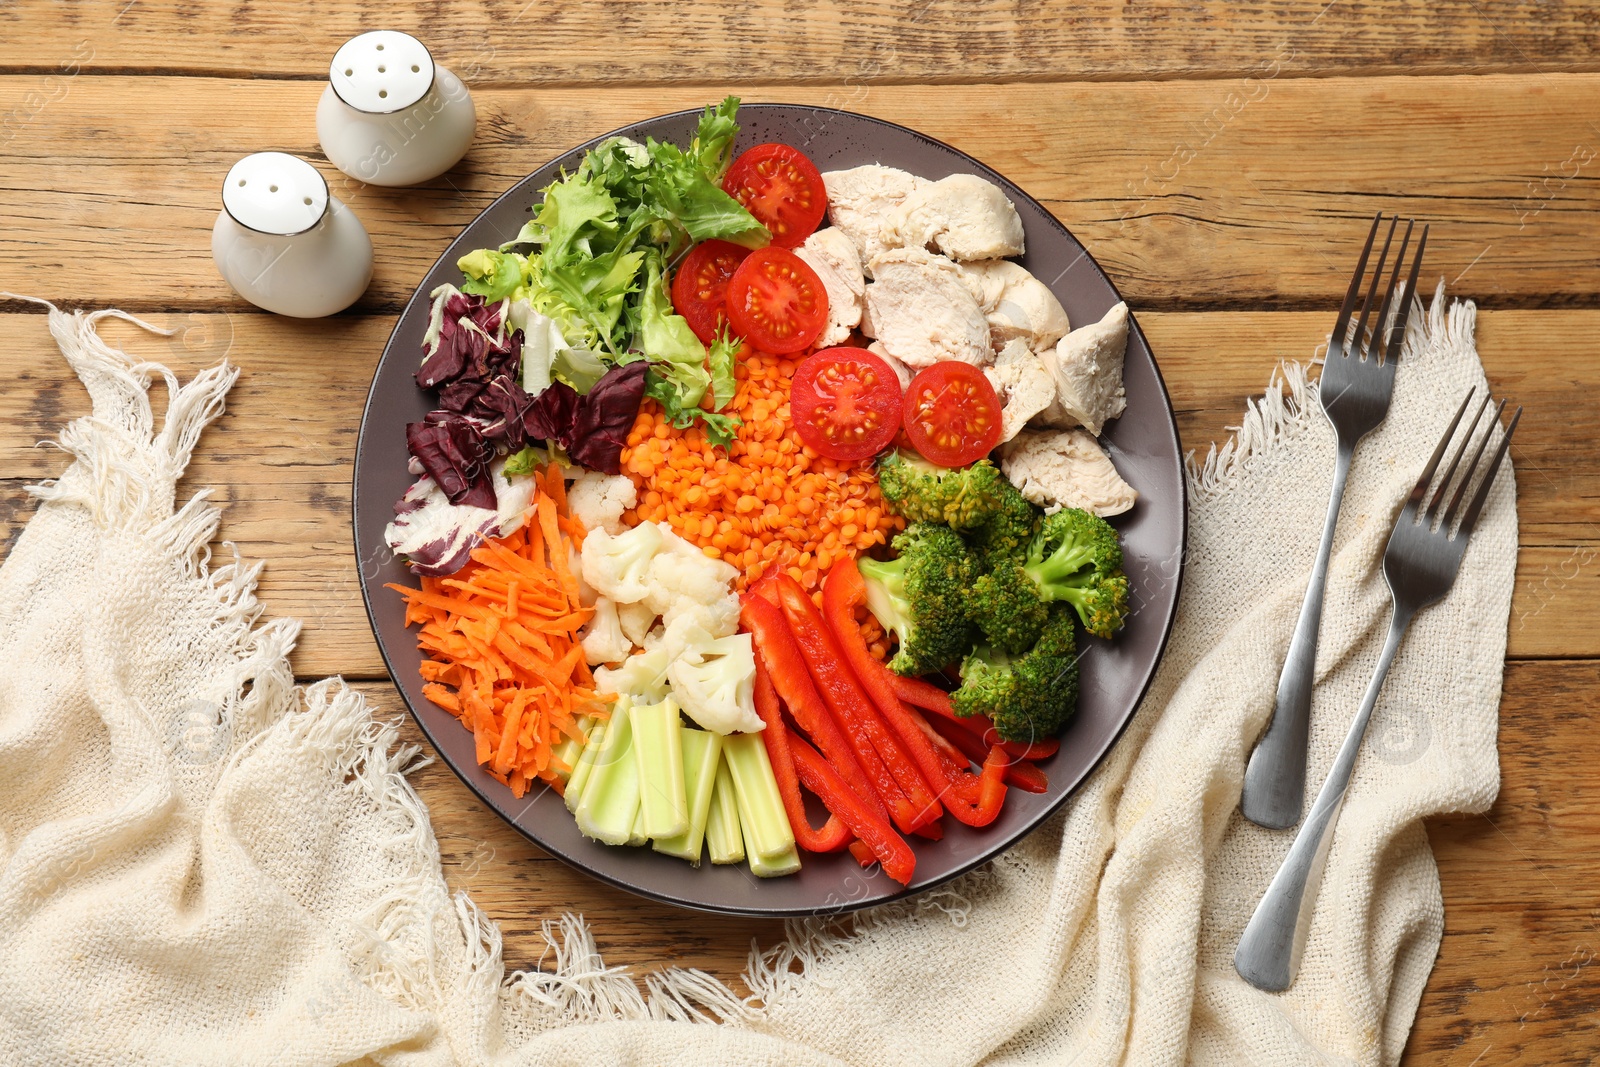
x: 272, y: 188
x: 383, y: 93
x: 241, y: 181
x: 308, y: 201
x: 415, y: 69
x: 380, y: 48
x: 348, y: 72
x: 382, y: 69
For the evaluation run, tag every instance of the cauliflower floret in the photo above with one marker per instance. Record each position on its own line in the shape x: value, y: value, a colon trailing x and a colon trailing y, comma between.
x: 603, y: 640
x: 642, y: 676
x: 1066, y: 469
x: 714, y: 680
x: 1087, y: 367
x: 636, y: 620
x: 682, y: 577
x: 963, y: 216
x: 1023, y: 384
x: 598, y: 500
x: 619, y: 566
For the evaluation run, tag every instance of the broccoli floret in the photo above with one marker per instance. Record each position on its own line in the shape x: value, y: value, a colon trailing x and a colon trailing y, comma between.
x: 1075, y: 558
x: 1008, y: 609
x: 921, y: 594
x: 960, y: 497
x: 1009, y: 529
x: 1030, y: 696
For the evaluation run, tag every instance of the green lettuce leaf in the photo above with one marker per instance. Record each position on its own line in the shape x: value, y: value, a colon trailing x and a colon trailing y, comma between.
x: 490, y: 274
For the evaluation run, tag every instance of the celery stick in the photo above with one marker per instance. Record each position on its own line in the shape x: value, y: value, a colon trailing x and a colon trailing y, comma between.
x: 724, y: 839
x: 702, y: 753
x: 569, y: 750
x: 637, y: 836
x: 767, y: 832
x: 611, y: 796
x: 585, y: 768
x: 658, y: 757
x: 786, y: 863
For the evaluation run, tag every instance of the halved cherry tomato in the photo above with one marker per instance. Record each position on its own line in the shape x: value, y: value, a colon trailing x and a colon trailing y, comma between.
x: 781, y: 188
x: 777, y: 302
x: 700, y: 288
x: 845, y: 403
x: 952, y: 414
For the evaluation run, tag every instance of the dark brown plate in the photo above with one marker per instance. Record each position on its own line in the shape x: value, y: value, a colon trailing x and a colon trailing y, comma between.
x: 1115, y: 675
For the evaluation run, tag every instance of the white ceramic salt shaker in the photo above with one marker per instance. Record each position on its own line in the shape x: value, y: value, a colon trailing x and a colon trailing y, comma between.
x: 391, y: 115
x: 285, y: 243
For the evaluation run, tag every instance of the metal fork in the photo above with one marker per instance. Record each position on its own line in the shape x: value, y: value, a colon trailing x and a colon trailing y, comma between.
x: 1419, y: 565
x: 1356, y: 385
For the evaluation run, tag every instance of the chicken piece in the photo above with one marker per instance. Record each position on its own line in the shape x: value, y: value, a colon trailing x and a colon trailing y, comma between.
x: 861, y: 200
x: 1066, y: 469
x: 1087, y: 367
x: 919, y: 306
x: 1023, y: 384
x: 834, y: 257
x: 1016, y: 304
x: 963, y: 216
x: 901, y: 371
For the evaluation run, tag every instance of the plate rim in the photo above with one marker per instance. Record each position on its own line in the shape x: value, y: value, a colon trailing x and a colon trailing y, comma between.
x: 844, y: 907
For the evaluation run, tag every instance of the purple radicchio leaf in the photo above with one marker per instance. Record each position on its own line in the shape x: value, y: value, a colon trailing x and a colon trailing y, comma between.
x: 550, y: 415
x: 455, y: 455
x: 472, y: 343
x: 605, y: 416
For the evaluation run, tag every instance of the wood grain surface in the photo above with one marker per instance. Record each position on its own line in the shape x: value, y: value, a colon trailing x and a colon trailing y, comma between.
x: 1219, y: 160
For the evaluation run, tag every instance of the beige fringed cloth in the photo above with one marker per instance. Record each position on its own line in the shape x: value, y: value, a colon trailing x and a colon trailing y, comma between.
x: 204, y: 863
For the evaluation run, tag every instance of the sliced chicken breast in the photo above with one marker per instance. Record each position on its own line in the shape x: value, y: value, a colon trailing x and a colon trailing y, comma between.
x: 963, y: 216
x: 833, y: 256
x: 1016, y: 304
x: 901, y: 371
x: 1087, y: 366
x: 919, y: 306
x: 861, y: 201
x: 1023, y: 384
x: 1066, y: 469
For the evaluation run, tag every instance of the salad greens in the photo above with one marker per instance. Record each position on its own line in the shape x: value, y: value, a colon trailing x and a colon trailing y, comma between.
x: 599, y: 250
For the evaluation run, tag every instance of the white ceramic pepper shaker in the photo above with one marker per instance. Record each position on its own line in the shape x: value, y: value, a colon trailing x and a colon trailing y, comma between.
x: 391, y: 115
x: 285, y: 243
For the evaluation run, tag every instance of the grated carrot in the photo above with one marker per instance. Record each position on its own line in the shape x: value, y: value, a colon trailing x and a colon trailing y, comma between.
x: 502, y: 639
x: 768, y: 500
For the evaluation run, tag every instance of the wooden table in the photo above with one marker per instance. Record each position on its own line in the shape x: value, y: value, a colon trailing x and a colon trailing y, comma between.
x: 1219, y: 160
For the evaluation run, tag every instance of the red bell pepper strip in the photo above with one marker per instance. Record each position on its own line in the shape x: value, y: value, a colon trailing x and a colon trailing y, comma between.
x: 934, y: 831
x: 834, y: 834
x: 929, y: 697
x: 842, y: 593
x: 787, y: 670
x: 1020, y: 773
x: 862, y: 853
x: 888, y: 847
x: 992, y: 790
x: 910, y: 801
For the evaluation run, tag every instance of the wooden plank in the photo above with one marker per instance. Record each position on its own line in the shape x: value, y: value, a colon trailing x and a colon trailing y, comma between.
x: 282, y: 465
x: 1192, y: 194
x: 571, y: 43
x: 1518, y: 971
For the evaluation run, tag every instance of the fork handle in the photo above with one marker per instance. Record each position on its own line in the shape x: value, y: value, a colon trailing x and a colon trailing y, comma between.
x: 1275, y: 779
x: 1268, y: 956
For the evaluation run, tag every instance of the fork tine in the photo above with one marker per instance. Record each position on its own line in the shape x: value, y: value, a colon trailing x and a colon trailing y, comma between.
x: 1397, y: 334
x: 1470, y: 517
x: 1472, y: 465
x: 1375, y: 345
x: 1450, y: 472
x: 1423, y: 482
x: 1342, y: 325
x: 1372, y: 290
